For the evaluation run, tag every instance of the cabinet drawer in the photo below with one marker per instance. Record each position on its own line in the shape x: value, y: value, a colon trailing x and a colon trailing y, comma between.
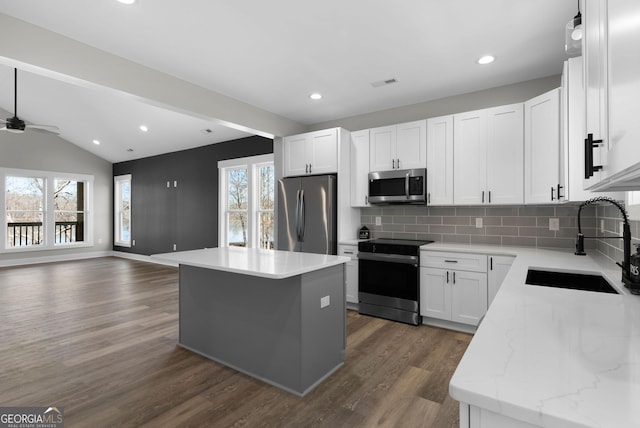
x: 457, y: 261
x: 348, y: 251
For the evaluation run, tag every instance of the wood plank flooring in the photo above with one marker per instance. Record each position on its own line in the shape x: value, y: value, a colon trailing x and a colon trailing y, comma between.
x: 99, y: 338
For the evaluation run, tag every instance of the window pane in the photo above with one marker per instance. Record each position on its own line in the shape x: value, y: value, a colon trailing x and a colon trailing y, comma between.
x: 237, y: 229
x: 68, y: 200
x: 265, y: 230
x: 24, y: 211
x: 237, y: 189
x: 266, y: 194
x: 123, y: 211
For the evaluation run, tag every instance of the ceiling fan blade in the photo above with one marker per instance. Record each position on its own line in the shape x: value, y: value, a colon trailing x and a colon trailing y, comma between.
x: 43, y: 127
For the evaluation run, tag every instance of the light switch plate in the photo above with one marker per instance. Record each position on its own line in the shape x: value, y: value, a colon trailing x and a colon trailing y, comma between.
x: 325, y: 301
x: 479, y: 222
x: 378, y: 220
x: 554, y: 224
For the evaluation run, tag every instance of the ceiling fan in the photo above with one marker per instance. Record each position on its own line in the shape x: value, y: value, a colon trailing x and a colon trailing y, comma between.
x: 15, y: 124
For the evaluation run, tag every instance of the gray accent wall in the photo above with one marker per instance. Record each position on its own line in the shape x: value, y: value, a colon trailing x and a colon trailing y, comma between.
x: 517, y: 225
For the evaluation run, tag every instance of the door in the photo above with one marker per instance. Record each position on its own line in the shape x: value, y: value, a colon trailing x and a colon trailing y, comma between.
x: 382, y: 148
x: 318, y: 214
x: 468, y: 297
x: 542, y: 147
x: 435, y: 293
x: 440, y: 160
x: 505, y: 151
x: 323, y: 151
x: 295, y: 155
x: 289, y: 214
x: 411, y: 145
x: 469, y: 157
x: 624, y: 86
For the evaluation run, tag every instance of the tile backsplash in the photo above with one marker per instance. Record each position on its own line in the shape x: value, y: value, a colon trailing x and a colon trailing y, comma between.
x: 501, y: 225
x: 608, y: 224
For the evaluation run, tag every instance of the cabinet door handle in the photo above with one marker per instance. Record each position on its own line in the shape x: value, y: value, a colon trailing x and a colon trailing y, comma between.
x: 552, y: 195
x: 483, y: 196
x: 490, y: 263
x: 558, y: 192
x: 306, y: 168
x: 309, y: 168
x: 589, y: 144
x: 450, y: 261
x: 447, y: 277
x: 429, y: 198
x: 454, y: 277
x: 366, y: 199
x: 393, y: 164
x: 398, y: 163
x: 489, y: 196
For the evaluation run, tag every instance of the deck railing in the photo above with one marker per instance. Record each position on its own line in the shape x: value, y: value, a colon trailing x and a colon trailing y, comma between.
x: 22, y: 234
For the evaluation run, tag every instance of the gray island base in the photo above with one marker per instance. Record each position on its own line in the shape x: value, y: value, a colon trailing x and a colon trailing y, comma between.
x: 289, y: 332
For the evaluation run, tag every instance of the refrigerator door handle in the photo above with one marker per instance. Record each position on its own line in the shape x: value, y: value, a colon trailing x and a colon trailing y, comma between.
x: 298, y: 215
x: 302, y: 216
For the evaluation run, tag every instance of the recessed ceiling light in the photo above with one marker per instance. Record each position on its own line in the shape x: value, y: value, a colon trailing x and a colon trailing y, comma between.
x: 127, y: 1
x: 315, y: 96
x: 143, y: 128
x: 487, y: 59
x: 96, y: 142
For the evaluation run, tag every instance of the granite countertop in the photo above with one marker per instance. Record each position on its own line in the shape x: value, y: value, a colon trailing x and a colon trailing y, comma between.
x: 554, y: 357
x: 272, y: 264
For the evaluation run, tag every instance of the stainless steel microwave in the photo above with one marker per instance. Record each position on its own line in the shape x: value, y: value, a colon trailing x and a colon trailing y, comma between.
x: 400, y: 186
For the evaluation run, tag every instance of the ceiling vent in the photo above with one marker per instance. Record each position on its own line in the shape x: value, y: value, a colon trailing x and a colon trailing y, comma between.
x: 384, y: 82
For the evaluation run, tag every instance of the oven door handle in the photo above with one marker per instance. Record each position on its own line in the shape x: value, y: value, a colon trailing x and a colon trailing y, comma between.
x: 406, y: 183
x: 391, y: 258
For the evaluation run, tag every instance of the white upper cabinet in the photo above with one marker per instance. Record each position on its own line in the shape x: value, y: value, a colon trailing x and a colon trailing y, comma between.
x: 612, y: 92
x: 595, y: 84
x: 359, y: 168
x: 488, y: 156
x: 440, y: 160
x: 311, y: 153
x: 542, y: 172
x: 402, y: 146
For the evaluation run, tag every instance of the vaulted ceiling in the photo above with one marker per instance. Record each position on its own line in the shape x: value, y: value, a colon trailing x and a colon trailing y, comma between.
x: 272, y: 55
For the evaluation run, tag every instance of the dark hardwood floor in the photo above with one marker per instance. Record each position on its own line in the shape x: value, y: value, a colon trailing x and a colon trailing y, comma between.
x: 98, y: 337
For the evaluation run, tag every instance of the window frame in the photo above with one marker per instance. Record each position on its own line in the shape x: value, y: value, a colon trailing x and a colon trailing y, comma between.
x: 252, y: 163
x: 117, y: 210
x: 49, y: 212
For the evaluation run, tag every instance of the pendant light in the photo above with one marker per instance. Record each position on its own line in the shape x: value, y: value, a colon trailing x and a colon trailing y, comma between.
x: 573, y: 35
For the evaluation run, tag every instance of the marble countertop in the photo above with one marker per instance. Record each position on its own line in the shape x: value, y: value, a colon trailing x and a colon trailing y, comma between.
x: 272, y: 264
x: 554, y: 357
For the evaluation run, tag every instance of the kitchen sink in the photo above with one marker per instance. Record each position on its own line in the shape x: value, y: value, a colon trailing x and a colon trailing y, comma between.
x: 574, y: 281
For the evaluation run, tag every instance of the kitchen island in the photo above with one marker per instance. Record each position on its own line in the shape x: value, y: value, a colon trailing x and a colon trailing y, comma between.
x: 275, y: 315
x: 551, y: 357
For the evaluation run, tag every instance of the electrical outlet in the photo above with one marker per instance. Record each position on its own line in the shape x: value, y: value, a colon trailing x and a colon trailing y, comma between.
x: 479, y: 222
x: 133, y: 242
x: 554, y: 224
x: 601, y: 225
x: 325, y: 301
x: 378, y: 220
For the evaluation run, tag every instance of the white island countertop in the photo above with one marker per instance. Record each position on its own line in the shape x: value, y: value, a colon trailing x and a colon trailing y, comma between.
x: 272, y: 264
x: 554, y: 357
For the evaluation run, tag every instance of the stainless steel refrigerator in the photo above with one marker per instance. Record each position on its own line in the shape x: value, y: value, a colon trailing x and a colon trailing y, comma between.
x: 307, y: 208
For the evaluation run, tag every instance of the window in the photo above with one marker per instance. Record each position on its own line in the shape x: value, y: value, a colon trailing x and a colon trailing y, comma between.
x: 247, y: 202
x: 122, y: 210
x: 44, y: 210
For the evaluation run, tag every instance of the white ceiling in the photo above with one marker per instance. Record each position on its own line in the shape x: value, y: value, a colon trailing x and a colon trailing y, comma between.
x: 273, y: 54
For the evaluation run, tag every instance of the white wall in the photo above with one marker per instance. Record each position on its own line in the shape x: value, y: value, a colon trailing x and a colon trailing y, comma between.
x: 44, y: 152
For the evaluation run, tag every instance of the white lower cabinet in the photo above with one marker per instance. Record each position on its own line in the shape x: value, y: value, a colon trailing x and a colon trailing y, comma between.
x: 453, y: 287
x: 498, y: 268
x: 476, y: 417
x: 351, y: 271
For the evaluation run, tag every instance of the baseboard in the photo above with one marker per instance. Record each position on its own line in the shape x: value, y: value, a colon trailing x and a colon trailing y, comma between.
x: 54, y: 258
x: 450, y: 325
x: 142, y: 258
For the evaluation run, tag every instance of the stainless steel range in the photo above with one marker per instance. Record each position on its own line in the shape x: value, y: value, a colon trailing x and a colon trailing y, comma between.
x: 389, y: 279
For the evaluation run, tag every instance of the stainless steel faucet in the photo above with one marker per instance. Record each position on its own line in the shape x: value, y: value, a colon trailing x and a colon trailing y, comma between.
x: 626, y: 235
